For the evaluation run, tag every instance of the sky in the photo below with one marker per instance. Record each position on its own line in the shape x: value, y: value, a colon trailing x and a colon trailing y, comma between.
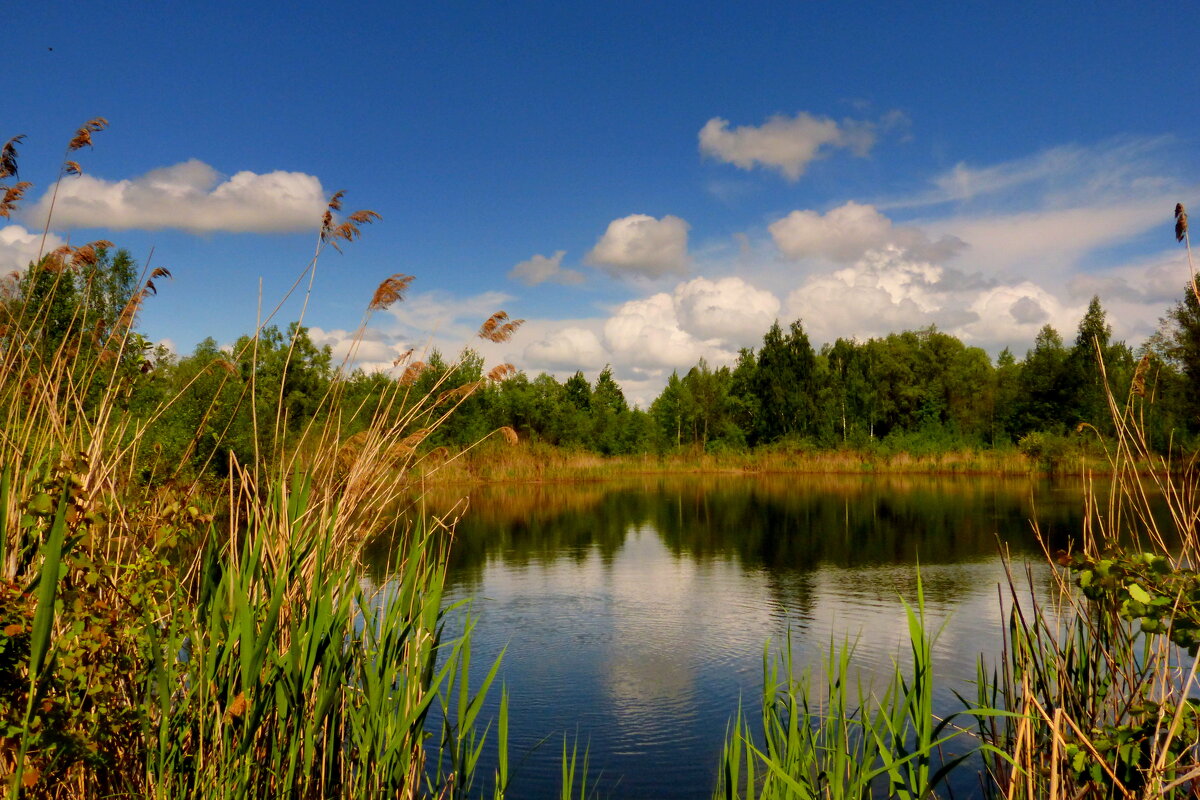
x: 645, y: 184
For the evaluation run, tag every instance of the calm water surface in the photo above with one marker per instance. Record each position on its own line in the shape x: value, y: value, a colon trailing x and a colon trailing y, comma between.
x: 633, y: 616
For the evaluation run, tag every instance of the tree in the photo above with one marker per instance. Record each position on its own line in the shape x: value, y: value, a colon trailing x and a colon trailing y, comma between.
x: 1180, y: 347
x: 1044, y: 388
x: 785, y: 382
x: 1007, y: 388
x: 607, y: 394
x: 710, y: 396
x: 674, y: 412
x: 744, y: 405
x: 609, y: 410
x: 1085, y: 399
x: 578, y: 391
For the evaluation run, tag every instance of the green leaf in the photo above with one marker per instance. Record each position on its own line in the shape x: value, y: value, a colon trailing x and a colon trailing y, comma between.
x: 1138, y: 593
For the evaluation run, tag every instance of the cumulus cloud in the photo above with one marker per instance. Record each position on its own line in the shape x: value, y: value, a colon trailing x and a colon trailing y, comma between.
x: 1028, y: 311
x: 646, y: 335
x: 190, y: 196
x: 422, y: 322
x: 567, y: 349
x: 643, y: 246
x: 645, y: 338
x: 375, y: 350
x: 1013, y: 314
x: 729, y: 310
x: 1158, y: 280
x: 446, y: 316
x: 540, y: 269
x: 19, y: 246
x: 885, y: 291
x: 847, y: 232
x: 787, y: 144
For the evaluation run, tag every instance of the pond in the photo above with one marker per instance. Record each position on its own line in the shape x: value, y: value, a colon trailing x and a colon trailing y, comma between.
x: 633, y: 615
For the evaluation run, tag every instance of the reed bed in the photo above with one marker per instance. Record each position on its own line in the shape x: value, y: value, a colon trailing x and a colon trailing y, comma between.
x: 174, y: 637
x: 839, y: 739
x: 498, y: 462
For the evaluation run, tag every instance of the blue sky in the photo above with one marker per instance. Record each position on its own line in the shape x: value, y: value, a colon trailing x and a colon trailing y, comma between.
x: 645, y: 183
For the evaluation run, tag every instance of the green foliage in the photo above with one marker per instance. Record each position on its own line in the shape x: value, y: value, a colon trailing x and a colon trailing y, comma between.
x: 1145, y: 588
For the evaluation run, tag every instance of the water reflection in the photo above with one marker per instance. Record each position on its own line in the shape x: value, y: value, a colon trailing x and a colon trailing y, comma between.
x: 635, y: 614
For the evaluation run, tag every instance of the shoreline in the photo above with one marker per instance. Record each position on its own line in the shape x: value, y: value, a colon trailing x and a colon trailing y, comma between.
x: 543, y: 464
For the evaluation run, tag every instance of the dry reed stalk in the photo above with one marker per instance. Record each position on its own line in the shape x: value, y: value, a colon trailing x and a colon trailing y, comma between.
x: 1055, y: 743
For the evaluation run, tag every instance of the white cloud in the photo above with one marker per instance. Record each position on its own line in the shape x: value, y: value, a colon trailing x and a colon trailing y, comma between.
x: 1159, y: 279
x: 645, y: 338
x: 888, y: 292
x: 645, y: 335
x: 446, y: 316
x: 847, y: 232
x: 1014, y: 314
x: 1075, y: 173
x: 1052, y: 239
x: 423, y: 322
x: 642, y: 245
x: 375, y: 350
x: 729, y: 310
x: 189, y: 196
x: 567, y: 349
x: 540, y: 269
x: 19, y: 246
x: 883, y: 292
x: 787, y: 144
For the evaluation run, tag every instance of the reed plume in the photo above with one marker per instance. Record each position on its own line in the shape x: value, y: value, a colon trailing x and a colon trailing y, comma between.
x: 12, y: 195
x: 501, y: 372
x: 390, y: 291
x: 499, y: 328
x: 83, y: 136
x: 8, y: 157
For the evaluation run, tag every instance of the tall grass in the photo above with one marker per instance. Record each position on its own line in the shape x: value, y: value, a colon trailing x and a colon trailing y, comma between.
x: 181, y: 638
x: 839, y: 739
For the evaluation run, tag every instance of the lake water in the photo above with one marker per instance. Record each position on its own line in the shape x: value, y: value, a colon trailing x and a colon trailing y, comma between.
x: 633, y: 615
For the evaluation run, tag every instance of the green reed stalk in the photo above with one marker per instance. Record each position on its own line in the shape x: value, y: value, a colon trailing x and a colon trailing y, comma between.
x: 571, y: 767
x: 823, y: 741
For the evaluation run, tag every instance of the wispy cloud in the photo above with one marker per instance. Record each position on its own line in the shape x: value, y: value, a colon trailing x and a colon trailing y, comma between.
x: 1054, y: 240
x: 1065, y: 174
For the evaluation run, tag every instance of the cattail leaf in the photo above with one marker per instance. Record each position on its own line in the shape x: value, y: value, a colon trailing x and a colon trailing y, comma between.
x: 43, y: 619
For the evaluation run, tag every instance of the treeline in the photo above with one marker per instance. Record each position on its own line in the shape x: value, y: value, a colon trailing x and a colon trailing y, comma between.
x: 917, y: 391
